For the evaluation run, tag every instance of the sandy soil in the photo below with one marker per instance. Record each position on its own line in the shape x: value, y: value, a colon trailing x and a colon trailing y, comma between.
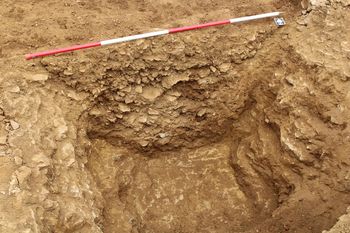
x: 242, y: 128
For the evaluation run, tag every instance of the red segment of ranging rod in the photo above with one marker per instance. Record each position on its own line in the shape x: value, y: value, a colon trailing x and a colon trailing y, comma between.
x: 189, y: 28
x: 63, y: 50
x: 151, y: 34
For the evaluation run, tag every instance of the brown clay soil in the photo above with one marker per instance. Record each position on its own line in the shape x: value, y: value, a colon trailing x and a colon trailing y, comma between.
x: 241, y: 128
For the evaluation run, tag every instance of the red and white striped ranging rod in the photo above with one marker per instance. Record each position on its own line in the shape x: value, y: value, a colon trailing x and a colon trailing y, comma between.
x: 151, y: 34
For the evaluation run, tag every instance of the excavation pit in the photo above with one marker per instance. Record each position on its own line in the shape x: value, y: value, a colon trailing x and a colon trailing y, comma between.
x: 241, y: 128
x: 192, y: 134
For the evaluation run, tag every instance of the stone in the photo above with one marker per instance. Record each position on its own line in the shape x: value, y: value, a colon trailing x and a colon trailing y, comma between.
x: 153, y: 112
x: 201, y: 112
x: 128, y: 100
x: 318, y: 2
x: 225, y: 67
x: 305, y: 4
x: 14, y: 89
x: 143, y: 143
x: 14, y: 125
x: 22, y: 175
x: 95, y: 112
x: 164, y: 141
x: 76, y: 96
x: 127, y: 89
x: 204, y: 72
x: 13, y: 187
x: 68, y: 73
x: 213, y: 69
x: 18, y: 160
x: 138, y: 89
x: 41, y: 160
x: 49, y: 204
x: 37, y: 77
x: 68, y: 151
x: 143, y: 119
x: 124, y: 108
x: 151, y: 93
x: 169, y: 81
x: 170, y: 98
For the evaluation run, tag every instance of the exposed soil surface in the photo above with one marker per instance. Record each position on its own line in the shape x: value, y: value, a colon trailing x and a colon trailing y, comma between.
x: 241, y: 128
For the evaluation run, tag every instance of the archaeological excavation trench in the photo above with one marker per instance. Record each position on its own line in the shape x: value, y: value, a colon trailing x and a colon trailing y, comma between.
x: 195, y: 134
x: 239, y: 128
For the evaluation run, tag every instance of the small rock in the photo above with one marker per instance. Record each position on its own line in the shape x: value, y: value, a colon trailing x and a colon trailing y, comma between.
x: 68, y: 73
x: 171, y: 98
x: 70, y: 162
x: 162, y: 135
x: 23, y: 174
x: 14, y: 89
x: 13, y: 187
x: 62, y: 131
x: 37, y: 77
x: 14, y: 125
x: 318, y: 2
x: 138, y: 89
x: 68, y: 154
x: 225, y: 67
x: 153, y: 112
x: 124, y: 108
x: 76, y: 96
x: 112, y: 119
x: 143, y: 143
x: 302, y: 22
x: 252, y: 38
x: 128, y: 100
x: 170, y: 81
x: 68, y: 151
x: 174, y: 93
x: 143, y: 119
x: 164, y: 141
x: 127, y: 89
x: 41, y: 160
x: 204, y: 72
x: 95, y: 112
x: 61, y: 128
x: 122, y: 94
x: 213, y: 69
x: 201, y: 112
x: 49, y: 204
x: 18, y: 160
x: 152, y: 93
x: 305, y: 4
x: 300, y: 28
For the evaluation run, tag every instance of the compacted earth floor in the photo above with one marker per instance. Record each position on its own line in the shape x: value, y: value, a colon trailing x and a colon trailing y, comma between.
x: 239, y: 128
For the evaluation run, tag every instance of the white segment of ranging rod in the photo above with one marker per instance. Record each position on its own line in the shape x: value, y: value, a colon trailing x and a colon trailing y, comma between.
x: 254, y: 17
x: 135, y: 37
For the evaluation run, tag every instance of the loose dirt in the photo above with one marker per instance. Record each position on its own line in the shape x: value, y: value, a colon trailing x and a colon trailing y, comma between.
x: 241, y: 128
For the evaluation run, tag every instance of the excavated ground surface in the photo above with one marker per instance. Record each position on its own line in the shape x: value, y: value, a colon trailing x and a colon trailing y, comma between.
x: 242, y: 128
